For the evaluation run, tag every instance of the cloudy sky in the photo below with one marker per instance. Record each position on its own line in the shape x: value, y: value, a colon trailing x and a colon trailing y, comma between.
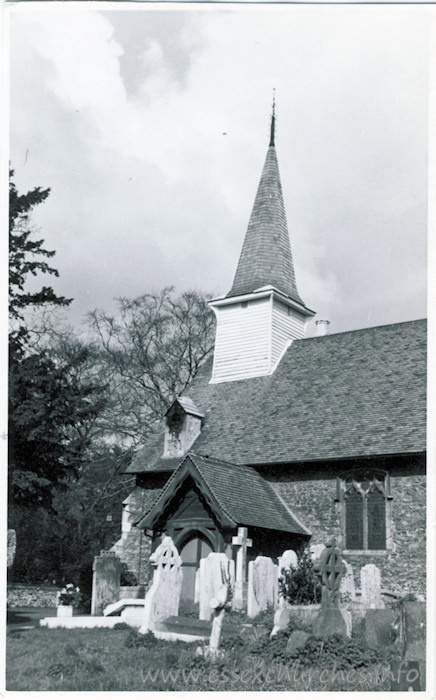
x: 151, y: 128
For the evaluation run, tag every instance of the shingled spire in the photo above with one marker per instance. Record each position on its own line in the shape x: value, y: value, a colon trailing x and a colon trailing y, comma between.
x: 266, y: 257
x: 263, y: 312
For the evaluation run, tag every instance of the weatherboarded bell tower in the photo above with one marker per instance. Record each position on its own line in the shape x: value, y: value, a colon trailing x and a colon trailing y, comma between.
x: 263, y: 312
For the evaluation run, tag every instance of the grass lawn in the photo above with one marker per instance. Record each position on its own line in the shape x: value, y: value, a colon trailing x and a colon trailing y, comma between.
x: 121, y: 660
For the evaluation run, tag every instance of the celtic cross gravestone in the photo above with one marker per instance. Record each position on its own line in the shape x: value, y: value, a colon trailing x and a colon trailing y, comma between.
x: 162, y: 599
x: 330, y: 569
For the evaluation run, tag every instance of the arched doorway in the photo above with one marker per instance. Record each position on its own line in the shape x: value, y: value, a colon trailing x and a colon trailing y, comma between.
x: 195, y: 547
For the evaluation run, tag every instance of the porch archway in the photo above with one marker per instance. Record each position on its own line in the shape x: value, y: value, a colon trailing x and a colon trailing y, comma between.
x: 193, y: 546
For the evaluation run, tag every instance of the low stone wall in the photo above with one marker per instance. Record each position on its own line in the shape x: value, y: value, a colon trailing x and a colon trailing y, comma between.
x: 27, y: 595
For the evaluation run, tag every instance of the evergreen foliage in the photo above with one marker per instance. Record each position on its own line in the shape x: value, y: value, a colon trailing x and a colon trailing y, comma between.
x: 300, y: 585
x: 26, y: 256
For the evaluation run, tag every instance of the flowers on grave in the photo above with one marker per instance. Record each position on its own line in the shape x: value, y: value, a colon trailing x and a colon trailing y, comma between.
x: 70, y: 595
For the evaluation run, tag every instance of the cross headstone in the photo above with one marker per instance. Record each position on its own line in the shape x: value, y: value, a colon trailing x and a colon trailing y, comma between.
x: 330, y: 569
x: 242, y: 541
x: 262, y: 585
x: 370, y: 584
x: 162, y: 598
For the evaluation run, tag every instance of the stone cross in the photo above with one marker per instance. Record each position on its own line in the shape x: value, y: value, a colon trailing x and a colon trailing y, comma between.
x: 330, y: 569
x: 162, y: 598
x: 243, y: 542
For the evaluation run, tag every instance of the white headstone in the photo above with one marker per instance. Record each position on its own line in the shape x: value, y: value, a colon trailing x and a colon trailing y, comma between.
x: 370, y: 583
x: 347, y: 589
x: 162, y: 599
x: 288, y: 560
x: 212, y: 574
x: 262, y: 585
x: 197, y: 587
x: 316, y: 551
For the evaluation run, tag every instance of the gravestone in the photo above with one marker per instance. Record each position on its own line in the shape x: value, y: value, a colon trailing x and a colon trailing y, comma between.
x: 12, y: 547
x: 212, y: 572
x: 378, y: 627
x: 347, y: 589
x: 197, y: 587
x: 162, y: 598
x: 105, y: 581
x: 370, y: 584
x: 288, y: 560
x: 330, y: 570
x: 262, y: 585
x: 221, y: 603
x: 316, y: 550
x: 242, y: 542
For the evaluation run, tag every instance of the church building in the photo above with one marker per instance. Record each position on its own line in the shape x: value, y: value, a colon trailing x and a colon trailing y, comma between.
x: 296, y: 438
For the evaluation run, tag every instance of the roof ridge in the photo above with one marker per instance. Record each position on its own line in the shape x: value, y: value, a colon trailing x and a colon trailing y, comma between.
x: 360, y: 330
x: 193, y: 456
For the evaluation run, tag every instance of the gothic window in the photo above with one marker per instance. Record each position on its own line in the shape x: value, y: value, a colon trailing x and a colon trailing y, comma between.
x: 354, y: 519
x: 376, y: 510
x: 364, y: 513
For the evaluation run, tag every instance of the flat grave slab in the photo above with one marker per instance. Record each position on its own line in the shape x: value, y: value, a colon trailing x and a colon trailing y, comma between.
x: 81, y: 621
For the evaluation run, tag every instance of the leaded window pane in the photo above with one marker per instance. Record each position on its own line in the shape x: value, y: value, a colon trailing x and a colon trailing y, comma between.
x: 354, y: 520
x: 376, y: 508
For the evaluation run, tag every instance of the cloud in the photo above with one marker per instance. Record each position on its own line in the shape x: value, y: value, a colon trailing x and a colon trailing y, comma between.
x: 152, y: 127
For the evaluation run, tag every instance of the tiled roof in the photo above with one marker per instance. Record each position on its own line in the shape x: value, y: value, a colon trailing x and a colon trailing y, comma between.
x: 188, y: 406
x: 359, y: 393
x: 238, y: 492
x: 266, y: 257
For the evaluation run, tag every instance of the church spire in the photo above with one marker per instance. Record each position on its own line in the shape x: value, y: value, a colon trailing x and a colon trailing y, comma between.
x: 273, y: 121
x: 266, y: 257
x: 263, y: 313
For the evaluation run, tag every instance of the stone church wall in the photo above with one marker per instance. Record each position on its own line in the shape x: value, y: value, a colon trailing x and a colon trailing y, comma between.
x: 403, y: 566
x: 134, y: 547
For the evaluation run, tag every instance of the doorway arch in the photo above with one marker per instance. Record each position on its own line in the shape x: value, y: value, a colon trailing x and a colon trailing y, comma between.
x: 195, y: 545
